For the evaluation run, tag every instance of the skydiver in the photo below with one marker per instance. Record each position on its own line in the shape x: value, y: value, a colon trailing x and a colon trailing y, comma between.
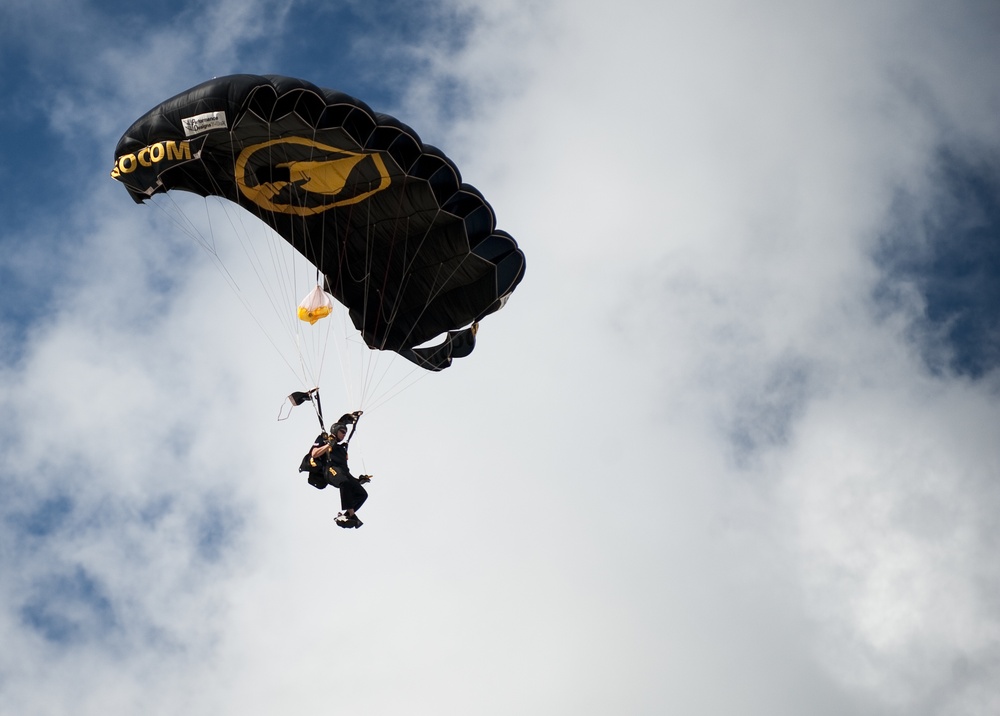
x: 329, y: 467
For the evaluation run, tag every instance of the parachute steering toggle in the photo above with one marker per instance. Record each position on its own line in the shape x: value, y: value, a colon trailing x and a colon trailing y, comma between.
x: 299, y: 397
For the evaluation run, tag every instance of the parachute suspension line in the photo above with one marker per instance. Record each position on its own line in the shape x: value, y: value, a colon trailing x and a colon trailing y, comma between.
x: 181, y: 220
x: 345, y: 353
x: 323, y: 339
x: 327, y: 328
x: 271, y: 291
x: 242, y: 234
x: 434, y: 293
x: 282, y: 281
x: 370, y: 372
x: 236, y: 219
x: 276, y: 273
x: 388, y: 266
x: 273, y: 275
x: 352, y: 375
x: 373, y: 373
x: 372, y: 376
x: 284, y: 141
x: 407, y: 265
x: 400, y: 386
x: 406, y: 279
x: 371, y: 364
x: 403, y: 383
x: 281, y: 263
x: 184, y: 222
x: 356, y: 373
x: 395, y: 308
x: 298, y: 242
x: 285, y: 283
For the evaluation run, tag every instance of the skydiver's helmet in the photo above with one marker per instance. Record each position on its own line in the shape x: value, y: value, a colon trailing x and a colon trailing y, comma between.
x: 336, y: 427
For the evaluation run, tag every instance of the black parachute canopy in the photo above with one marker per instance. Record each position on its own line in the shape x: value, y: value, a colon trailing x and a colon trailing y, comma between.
x: 411, y: 250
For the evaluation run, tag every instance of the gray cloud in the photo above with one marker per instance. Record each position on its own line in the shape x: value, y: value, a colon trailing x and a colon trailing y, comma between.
x: 699, y: 462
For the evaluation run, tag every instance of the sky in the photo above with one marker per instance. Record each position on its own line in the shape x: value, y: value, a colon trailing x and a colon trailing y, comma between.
x: 730, y: 448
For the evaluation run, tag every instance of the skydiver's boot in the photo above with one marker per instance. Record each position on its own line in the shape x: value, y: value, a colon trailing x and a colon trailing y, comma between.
x: 343, y: 520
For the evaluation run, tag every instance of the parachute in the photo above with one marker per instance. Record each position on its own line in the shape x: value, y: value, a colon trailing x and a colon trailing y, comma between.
x: 411, y: 251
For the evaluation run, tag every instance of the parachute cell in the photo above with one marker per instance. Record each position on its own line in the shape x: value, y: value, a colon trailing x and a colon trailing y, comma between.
x: 401, y: 241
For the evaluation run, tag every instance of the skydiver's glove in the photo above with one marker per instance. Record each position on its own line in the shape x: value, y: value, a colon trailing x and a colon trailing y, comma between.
x: 365, y: 479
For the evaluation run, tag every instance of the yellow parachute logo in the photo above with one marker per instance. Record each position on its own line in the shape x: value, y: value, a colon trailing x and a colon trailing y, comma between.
x: 325, y: 179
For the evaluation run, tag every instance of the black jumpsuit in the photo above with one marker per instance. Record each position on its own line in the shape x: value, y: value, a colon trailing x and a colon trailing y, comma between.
x: 335, y: 470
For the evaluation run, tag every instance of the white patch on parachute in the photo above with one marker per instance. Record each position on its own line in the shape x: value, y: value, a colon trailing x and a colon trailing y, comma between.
x: 204, y: 123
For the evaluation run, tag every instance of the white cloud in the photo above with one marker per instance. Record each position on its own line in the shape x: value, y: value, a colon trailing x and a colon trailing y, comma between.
x: 689, y: 467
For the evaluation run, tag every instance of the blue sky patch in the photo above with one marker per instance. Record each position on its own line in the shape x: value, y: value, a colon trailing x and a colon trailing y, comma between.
x: 45, y: 519
x: 216, y: 528
x: 69, y: 608
x: 765, y: 416
x: 947, y: 246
